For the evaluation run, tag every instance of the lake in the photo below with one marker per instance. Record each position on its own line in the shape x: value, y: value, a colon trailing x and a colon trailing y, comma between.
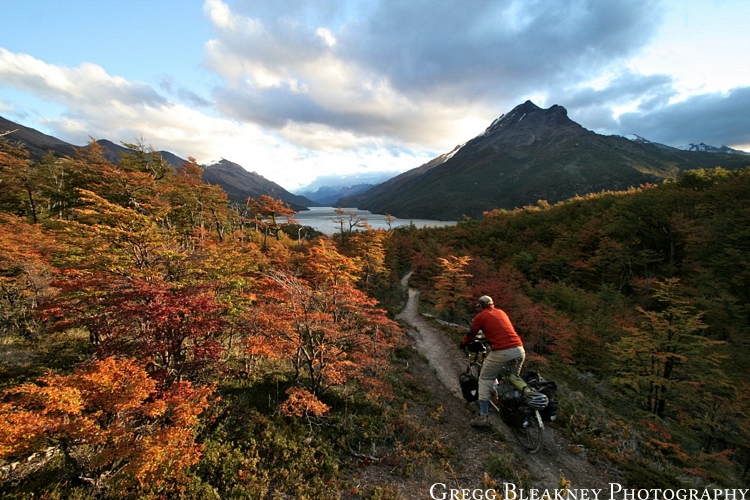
x: 323, y: 219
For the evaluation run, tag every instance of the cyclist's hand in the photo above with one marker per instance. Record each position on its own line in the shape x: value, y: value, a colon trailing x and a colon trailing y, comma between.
x: 461, y: 345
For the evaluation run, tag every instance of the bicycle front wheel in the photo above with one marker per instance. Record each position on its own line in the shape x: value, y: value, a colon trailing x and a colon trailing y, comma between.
x: 530, y: 436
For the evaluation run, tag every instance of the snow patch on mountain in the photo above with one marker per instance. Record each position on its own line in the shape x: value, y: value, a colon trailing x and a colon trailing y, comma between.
x: 451, y: 154
x: 637, y: 138
x: 706, y: 148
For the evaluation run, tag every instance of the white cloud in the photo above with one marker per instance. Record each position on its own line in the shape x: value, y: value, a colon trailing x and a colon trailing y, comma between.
x: 87, y: 86
x: 106, y: 107
x: 327, y: 36
x: 701, y: 47
x: 418, y: 73
x: 303, y: 88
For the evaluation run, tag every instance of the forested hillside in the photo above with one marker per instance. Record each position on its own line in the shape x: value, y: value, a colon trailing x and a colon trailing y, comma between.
x: 640, y: 296
x: 159, y: 341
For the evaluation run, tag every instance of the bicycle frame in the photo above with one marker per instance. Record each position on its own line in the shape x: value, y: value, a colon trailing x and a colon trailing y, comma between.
x: 527, y: 425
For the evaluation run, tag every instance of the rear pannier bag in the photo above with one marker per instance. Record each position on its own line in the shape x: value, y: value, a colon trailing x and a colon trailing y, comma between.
x: 548, y: 388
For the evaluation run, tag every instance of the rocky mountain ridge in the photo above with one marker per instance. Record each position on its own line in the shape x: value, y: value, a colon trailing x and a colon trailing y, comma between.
x: 238, y: 183
x: 329, y: 195
x: 524, y: 156
x: 712, y: 149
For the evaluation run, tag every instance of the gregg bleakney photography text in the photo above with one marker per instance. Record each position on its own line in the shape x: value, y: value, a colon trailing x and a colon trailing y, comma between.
x: 613, y: 491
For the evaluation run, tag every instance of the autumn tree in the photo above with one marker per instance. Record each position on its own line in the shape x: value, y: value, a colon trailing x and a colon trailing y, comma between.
x: 369, y: 248
x: 131, y: 184
x: 145, y: 219
x: 196, y: 208
x: 452, y: 285
x: 319, y: 322
x: 59, y: 180
x: 25, y: 274
x: 18, y: 181
x: 48, y: 188
x: 120, y: 240
x: 176, y: 329
x: 348, y: 221
x: 112, y: 424
x: 269, y: 214
x: 140, y: 157
x: 667, y: 357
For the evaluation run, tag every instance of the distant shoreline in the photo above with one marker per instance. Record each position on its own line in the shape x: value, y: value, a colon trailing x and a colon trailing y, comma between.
x: 323, y: 219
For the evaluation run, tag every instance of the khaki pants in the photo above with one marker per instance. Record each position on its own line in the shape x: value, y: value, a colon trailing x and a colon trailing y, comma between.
x: 494, y: 364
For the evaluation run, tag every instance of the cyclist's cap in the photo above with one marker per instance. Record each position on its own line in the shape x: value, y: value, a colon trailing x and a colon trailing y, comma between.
x: 485, y: 300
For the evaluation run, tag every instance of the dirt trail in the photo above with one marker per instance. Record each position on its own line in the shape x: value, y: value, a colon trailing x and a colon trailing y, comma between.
x: 557, y: 458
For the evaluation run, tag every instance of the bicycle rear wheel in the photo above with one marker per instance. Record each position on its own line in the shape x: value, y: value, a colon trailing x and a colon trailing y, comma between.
x: 530, y: 437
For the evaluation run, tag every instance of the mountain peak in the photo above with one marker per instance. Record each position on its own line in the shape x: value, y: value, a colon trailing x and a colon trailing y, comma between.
x: 224, y: 163
x: 528, y: 123
x: 526, y: 155
x: 532, y: 115
x: 230, y: 166
x: 240, y: 184
x: 526, y: 107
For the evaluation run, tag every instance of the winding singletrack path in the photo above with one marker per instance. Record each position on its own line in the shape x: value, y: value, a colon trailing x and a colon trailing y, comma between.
x: 557, y: 459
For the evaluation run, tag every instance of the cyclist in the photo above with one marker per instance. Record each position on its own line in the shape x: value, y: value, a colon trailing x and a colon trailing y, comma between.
x: 506, y: 346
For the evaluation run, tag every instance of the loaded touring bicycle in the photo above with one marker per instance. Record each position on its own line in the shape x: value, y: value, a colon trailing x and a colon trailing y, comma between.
x: 524, y: 403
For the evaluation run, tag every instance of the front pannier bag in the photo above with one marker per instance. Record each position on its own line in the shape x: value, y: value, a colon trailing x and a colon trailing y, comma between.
x: 469, y: 386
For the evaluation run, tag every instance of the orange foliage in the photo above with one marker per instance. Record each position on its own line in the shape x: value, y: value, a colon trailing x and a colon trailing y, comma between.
x: 24, y: 272
x: 368, y: 247
x: 328, y: 330
x: 451, y: 285
x: 301, y: 403
x: 110, y: 421
x: 269, y: 215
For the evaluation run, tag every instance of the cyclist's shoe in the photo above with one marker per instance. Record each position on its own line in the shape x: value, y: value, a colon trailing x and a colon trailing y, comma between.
x: 481, y: 421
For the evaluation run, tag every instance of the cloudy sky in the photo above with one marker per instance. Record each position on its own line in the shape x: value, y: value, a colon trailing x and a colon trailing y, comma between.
x: 298, y: 89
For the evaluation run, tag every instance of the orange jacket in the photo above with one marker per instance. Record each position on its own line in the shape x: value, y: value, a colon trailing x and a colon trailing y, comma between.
x: 497, y: 328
